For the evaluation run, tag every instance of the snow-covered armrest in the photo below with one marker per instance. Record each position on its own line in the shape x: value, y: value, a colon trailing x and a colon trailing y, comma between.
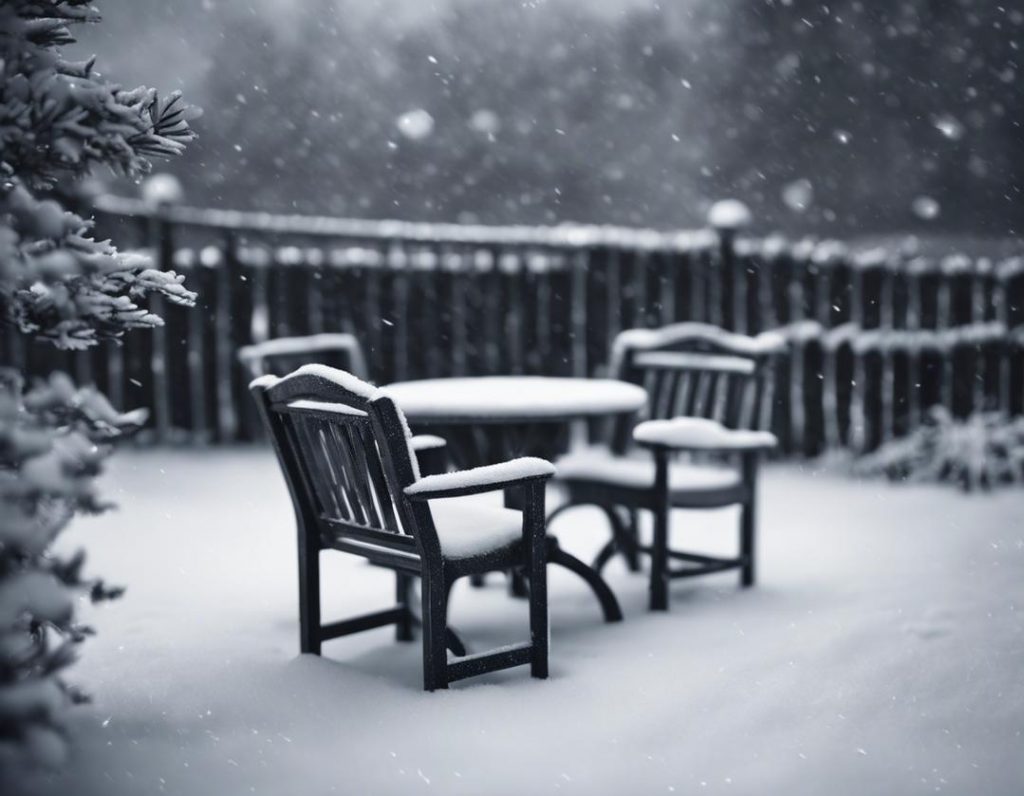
x: 700, y: 434
x: 480, y: 479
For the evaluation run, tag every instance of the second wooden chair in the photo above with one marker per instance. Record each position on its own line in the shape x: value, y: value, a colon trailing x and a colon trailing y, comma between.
x: 709, y: 399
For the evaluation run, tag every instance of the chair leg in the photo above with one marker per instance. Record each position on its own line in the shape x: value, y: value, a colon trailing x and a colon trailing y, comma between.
x: 609, y: 605
x: 309, y: 599
x: 748, y: 544
x: 748, y: 522
x: 539, y: 632
x: 659, y: 559
x: 451, y: 638
x: 632, y: 529
x: 435, y: 654
x: 403, y: 587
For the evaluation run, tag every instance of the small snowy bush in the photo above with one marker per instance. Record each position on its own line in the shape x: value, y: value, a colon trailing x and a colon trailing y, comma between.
x: 984, y: 450
x: 58, y: 120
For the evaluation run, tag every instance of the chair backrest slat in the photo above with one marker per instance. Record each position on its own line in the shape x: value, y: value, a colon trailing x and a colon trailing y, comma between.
x: 378, y: 480
x: 364, y: 483
x: 317, y: 470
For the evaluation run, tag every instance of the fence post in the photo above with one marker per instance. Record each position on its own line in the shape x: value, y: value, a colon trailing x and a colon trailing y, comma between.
x: 228, y: 279
x: 162, y: 236
x: 580, y: 263
x: 727, y: 217
x: 194, y: 350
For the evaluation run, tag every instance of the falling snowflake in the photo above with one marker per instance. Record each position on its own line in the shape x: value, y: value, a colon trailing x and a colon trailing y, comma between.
x: 415, y: 124
x: 925, y: 208
x: 485, y: 121
x: 949, y: 126
x: 798, y: 195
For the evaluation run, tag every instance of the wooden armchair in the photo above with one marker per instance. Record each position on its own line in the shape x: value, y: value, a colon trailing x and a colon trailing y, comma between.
x: 696, y: 445
x: 356, y: 487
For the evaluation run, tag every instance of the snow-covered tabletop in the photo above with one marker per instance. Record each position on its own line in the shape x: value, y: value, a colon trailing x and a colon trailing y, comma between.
x: 511, y: 399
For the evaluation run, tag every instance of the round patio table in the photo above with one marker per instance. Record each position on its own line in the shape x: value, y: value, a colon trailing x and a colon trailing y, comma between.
x: 489, y: 419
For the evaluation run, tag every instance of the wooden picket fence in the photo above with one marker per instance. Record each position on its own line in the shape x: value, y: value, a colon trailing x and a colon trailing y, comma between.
x: 875, y: 337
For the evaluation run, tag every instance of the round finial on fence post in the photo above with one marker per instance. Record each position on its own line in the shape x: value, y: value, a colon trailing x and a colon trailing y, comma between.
x: 728, y: 216
x: 726, y: 300
x: 161, y: 190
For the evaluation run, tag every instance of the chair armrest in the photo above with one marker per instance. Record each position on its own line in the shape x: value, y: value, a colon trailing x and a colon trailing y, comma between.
x: 700, y: 434
x: 490, y: 478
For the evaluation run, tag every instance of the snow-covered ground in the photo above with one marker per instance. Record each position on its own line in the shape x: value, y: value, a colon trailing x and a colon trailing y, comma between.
x: 883, y: 653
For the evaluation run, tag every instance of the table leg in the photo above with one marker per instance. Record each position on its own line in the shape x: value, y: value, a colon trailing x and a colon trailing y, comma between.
x: 609, y: 605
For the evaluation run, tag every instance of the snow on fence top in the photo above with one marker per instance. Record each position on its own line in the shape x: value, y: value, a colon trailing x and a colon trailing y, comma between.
x: 864, y: 340
x: 566, y: 235
x: 532, y: 248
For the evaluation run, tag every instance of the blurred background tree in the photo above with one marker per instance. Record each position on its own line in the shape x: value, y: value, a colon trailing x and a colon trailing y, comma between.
x: 844, y: 117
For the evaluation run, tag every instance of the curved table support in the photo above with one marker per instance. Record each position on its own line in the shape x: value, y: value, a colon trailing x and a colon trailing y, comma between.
x: 625, y: 540
x: 605, y: 596
x: 625, y: 536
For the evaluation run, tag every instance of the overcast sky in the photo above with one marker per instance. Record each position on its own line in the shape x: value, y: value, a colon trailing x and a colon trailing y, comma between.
x: 165, y: 44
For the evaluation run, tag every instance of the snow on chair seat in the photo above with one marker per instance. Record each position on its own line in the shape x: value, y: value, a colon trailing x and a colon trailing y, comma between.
x: 466, y: 529
x: 637, y: 471
x: 701, y: 434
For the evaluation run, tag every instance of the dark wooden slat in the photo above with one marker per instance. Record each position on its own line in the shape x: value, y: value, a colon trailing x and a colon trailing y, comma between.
x: 722, y: 565
x: 378, y: 554
x: 378, y: 479
x: 358, y: 624
x: 484, y: 662
x: 348, y: 530
x: 343, y: 470
x: 316, y: 468
x: 360, y: 473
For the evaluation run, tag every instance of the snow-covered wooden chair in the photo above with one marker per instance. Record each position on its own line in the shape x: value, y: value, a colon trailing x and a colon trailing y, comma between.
x: 282, y: 355
x: 356, y: 487
x: 695, y: 446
